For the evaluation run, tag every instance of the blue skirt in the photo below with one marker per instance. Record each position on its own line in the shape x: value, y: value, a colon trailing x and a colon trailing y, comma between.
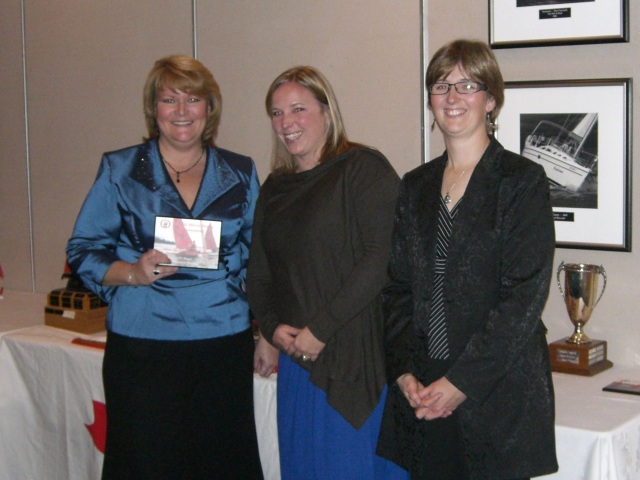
x: 317, y: 443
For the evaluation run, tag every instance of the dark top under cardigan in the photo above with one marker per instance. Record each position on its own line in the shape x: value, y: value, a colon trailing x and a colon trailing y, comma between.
x: 496, y: 285
x: 319, y: 255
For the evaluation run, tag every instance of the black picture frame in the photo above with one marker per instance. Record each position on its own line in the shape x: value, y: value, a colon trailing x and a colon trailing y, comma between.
x: 580, y: 131
x: 539, y: 23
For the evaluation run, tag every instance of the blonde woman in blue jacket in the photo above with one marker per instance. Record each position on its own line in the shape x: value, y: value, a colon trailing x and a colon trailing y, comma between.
x: 178, y: 372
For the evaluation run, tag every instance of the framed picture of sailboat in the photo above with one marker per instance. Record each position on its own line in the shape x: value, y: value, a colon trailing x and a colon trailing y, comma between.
x: 540, y: 23
x: 579, y: 131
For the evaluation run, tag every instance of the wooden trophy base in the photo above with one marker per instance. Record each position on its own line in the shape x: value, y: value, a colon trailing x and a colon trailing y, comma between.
x: 587, y: 359
x: 92, y: 321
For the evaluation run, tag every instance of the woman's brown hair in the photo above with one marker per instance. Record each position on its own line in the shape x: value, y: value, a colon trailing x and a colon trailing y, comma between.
x: 184, y: 73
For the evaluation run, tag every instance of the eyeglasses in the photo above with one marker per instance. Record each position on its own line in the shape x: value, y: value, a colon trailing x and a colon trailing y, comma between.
x: 465, y: 87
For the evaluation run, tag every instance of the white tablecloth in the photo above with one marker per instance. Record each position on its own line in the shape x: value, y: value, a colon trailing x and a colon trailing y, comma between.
x: 47, y: 390
x: 597, y: 433
x: 264, y: 395
x: 51, y: 398
x: 48, y: 386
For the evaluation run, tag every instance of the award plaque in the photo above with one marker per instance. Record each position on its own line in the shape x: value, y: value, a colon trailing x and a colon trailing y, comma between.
x: 578, y: 353
x: 189, y: 242
x: 75, y: 308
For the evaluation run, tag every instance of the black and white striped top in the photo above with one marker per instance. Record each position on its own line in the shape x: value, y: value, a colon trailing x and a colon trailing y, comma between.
x: 438, y: 342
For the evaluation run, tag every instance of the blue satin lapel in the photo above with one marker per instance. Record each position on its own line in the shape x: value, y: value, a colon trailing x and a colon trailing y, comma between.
x: 214, y: 185
x: 149, y: 172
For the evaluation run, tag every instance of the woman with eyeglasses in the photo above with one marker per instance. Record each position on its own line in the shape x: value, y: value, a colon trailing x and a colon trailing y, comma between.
x: 470, y: 394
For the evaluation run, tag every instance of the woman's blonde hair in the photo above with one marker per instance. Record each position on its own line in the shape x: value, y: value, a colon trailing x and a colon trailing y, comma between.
x: 477, y: 60
x: 282, y: 162
x: 184, y: 73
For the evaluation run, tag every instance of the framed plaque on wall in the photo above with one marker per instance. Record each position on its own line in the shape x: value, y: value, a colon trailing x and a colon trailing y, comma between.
x: 536, y: 23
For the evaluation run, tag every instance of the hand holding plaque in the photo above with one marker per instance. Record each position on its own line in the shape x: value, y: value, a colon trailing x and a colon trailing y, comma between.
x: 578, y: 353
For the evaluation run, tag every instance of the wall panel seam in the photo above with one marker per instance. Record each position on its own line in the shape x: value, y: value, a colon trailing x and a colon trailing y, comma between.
x: 27, y: 149
x: 194, y: 21
x: 424, y: 110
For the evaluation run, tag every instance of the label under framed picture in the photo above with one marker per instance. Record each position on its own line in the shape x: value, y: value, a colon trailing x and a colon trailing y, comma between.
x: 189, y: 242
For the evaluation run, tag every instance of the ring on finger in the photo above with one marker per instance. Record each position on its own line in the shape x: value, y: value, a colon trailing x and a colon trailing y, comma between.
x: 305, y: 358
x: 155, y: 271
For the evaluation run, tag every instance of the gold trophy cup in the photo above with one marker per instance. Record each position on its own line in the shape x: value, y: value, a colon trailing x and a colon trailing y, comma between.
x: 578, y: 353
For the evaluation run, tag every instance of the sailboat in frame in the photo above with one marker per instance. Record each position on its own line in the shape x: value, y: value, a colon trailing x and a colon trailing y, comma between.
x: 561, y: 151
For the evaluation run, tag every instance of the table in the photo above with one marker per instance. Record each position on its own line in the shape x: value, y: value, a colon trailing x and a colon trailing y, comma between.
x: 597, y: 433
x: 52, y: 420
x: 48, y: 386
x: 47, y: 390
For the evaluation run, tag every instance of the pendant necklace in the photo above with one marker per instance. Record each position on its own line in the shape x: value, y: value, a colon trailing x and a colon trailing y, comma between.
x: 178, y: 173
x: 447, y: 198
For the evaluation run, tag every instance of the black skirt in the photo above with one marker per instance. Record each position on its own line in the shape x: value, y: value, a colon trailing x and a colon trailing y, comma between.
x: 180, y: 410
x: 428, y: 449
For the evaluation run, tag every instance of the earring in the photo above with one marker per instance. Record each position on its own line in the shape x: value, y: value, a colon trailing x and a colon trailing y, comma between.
x: 489, y: 122
x: 433, y: 125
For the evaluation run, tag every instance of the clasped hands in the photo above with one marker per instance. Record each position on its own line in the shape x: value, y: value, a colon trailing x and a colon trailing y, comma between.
x: 437, y: 400
x: 291, y: 340
x: 297, y: 342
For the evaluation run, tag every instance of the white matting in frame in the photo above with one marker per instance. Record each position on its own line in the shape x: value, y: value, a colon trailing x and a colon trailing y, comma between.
x: 597, y: 214
x: 528, y: 23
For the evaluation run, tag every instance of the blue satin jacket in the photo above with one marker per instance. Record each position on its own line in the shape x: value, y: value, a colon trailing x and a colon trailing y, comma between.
x: 117, y: 222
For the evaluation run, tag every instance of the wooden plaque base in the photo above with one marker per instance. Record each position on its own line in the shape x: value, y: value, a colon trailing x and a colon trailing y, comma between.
x: 588, y: 359
x: 75, y: 309
x: 92, y: 321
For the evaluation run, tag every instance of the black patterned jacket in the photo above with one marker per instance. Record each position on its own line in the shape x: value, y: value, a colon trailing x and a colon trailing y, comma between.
x: 498, y: 271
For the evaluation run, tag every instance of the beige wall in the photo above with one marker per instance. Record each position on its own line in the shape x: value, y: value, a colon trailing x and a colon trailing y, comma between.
x: 86, y: 62
x: 369, y: 50
x: 15, y: 256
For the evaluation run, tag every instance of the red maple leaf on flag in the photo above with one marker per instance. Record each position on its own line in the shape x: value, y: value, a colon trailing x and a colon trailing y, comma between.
x: 98, y: 429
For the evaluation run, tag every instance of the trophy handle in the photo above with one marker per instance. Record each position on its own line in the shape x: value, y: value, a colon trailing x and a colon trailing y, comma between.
x: 604, y: 284
x: 560, y: 268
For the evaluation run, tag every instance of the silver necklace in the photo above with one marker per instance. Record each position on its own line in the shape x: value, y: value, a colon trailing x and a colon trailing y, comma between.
x: 178, y: 173
x: 447, y: 198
